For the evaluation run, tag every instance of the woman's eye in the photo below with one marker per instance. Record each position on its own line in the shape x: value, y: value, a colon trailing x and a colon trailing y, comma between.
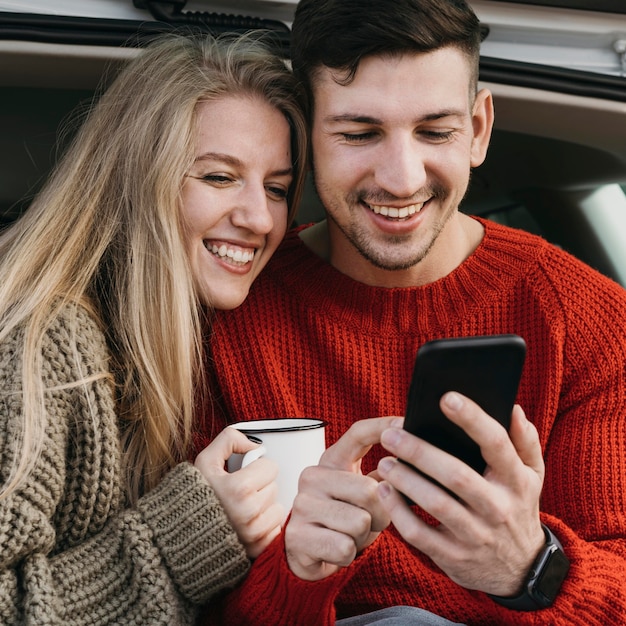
x: 279, y: 193
x: 219, y: 179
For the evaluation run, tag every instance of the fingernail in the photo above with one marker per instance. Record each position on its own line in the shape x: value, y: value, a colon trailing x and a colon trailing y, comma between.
x: 391, y: 437
x: 385, y: 465
x: 384, y: 489
x: 453, y: 400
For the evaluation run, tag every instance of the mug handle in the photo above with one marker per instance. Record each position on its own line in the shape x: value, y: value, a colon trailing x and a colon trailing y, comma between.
x: 253, y: 455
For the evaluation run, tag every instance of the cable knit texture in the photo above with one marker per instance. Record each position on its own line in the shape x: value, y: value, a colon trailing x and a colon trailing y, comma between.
x: 70, y: 551
x: 311, y: 342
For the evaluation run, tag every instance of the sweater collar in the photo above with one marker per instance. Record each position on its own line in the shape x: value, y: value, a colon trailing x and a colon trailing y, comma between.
x: 482, y: 281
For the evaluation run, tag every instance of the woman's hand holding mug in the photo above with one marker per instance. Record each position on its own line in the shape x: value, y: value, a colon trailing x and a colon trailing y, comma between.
x: 249, y: 497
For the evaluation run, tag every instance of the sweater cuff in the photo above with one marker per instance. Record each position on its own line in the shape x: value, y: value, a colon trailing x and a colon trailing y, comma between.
x: 198, y: 543
x: 290, y: 600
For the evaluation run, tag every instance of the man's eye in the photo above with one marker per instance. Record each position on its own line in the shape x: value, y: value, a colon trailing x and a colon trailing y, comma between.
x: 357, y: 137
x: 440, y: 136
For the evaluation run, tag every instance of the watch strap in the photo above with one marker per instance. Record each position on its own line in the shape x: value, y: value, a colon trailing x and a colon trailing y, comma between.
x: 551, y: 560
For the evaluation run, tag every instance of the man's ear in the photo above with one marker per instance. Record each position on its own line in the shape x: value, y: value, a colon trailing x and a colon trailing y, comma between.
x: 482, y: 123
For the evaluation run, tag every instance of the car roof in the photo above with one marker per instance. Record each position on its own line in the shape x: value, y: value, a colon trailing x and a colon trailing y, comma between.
x: 572, y: 34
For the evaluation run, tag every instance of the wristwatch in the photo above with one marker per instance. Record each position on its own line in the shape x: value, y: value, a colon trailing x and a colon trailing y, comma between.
x: 544, y: 578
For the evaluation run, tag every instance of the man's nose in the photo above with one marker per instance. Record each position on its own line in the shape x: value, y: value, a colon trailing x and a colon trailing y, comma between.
x: 401, y: 167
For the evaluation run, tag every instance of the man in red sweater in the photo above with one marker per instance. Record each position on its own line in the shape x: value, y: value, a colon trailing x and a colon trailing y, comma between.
x: 331, y: 329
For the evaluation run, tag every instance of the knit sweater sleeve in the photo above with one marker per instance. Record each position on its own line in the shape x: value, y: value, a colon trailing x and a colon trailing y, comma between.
x: 272, y: 595
x: 70, y: 551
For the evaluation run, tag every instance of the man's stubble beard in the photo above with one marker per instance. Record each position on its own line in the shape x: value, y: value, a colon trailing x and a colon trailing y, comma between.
x: 378, y: 255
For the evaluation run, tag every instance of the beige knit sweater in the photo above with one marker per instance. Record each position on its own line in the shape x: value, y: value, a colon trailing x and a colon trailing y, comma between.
x: 70, y: 552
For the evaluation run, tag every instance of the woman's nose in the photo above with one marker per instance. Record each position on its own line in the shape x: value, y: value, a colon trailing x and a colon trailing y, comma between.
x: 253, y: 209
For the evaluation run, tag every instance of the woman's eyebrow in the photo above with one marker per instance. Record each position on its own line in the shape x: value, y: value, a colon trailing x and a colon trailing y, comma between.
x: 229, y: 159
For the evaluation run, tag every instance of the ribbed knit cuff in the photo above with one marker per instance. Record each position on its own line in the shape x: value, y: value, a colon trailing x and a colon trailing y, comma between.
x: 273, y: 595
x: 194, y: 535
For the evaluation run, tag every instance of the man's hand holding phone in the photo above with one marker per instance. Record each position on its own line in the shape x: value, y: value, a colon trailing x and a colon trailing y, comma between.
x: 489, y: 530
x: 486, y: 369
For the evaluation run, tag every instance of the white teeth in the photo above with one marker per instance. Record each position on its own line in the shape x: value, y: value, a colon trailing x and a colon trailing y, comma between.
x: 389, y: 211
x: 237, y: 256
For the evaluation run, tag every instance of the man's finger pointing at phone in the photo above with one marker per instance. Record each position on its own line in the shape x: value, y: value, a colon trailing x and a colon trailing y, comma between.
x: 337, y: 512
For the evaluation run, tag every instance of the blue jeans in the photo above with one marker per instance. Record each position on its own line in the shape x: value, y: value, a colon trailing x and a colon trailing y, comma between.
x: 397, y: 616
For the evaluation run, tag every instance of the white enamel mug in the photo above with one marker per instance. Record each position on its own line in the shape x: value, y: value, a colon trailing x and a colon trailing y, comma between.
x: 292, y: 442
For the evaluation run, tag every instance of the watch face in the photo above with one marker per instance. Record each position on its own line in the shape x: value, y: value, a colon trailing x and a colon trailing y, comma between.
x: 550, y: 579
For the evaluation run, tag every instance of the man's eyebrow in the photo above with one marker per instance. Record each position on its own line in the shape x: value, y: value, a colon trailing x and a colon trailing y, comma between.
x: 233, y: 161
x: 353, y: 117
x: 367, y: 119
x: 431, y: 117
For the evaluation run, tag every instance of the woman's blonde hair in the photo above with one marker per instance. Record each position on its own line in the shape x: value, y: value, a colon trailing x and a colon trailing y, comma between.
x: 106, y: 232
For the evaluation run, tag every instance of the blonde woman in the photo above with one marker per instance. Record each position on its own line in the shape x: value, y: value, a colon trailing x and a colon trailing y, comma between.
x: 173, y: 196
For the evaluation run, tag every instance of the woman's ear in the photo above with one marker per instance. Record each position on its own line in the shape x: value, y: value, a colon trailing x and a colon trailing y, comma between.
x: 482, y: 123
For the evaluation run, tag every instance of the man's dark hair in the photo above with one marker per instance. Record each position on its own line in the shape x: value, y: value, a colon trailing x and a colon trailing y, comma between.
x: 339, y: 33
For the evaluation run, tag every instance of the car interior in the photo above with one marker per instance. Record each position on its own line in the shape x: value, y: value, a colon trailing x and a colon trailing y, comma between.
x: 556, y: 164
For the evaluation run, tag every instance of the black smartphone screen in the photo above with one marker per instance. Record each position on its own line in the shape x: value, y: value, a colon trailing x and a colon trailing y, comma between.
x: 486, y: 369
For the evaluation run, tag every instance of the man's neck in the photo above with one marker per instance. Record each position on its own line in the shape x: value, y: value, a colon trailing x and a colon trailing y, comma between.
x: 469, y: 235
x: 317, y: 240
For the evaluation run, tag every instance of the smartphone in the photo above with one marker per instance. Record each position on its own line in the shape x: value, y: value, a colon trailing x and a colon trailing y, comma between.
x: 486, y: 369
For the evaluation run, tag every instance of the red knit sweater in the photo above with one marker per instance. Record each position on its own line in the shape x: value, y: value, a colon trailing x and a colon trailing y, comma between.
x: 309, y: 341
